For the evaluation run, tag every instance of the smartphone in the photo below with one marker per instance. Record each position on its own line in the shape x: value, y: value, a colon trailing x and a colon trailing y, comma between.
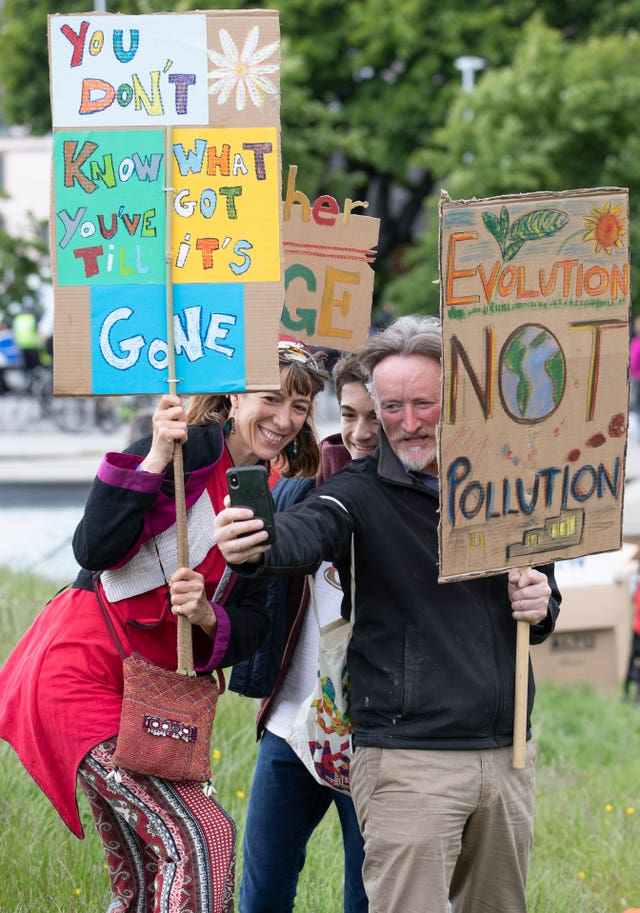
x: 249, y: 487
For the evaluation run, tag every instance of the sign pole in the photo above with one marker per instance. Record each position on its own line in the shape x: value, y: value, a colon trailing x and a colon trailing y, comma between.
x: 521, y: 692
x: 521, y: 695
x: 185, y: 643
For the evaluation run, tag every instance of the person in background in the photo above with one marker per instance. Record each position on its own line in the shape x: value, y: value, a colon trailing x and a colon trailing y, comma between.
x: 286, y: 804
x: 634, y: 378
x: 444, y: 814
x: 632, y: 679
x: 10, y: 355
x: 140, y: 425
x: 25, y: 329
x: 383, y: 317
x: 168, y: 846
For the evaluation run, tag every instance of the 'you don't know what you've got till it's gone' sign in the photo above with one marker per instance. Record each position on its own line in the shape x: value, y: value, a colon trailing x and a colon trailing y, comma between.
x: 166, y: 149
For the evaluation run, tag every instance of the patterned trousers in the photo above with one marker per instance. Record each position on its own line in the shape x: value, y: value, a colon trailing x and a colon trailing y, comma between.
x: 169, y: 848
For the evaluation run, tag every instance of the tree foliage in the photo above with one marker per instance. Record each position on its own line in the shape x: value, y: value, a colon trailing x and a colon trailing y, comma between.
x: 23, y: 270
x: 372, y: 106
x: 560, y: 117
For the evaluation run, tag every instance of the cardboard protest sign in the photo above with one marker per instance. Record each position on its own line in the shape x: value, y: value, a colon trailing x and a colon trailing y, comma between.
x: 535, y: 312
x: 328, y: 275
x: 166, y: 182
x: 114, y: 68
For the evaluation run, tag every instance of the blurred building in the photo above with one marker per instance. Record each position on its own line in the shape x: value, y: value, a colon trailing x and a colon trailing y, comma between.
x: 25, y: 179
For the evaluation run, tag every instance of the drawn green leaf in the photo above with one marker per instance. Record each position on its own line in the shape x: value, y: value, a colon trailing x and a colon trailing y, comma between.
x: 492, y: 224
x: 511, y: 250
x: 540, y: 223
x: 504, y: 223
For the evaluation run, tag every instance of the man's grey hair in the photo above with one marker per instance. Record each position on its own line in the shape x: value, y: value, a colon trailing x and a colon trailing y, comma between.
x: 410, y: 335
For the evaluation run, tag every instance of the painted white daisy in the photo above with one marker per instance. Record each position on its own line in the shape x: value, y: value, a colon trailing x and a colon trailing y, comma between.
x: 243, y: 72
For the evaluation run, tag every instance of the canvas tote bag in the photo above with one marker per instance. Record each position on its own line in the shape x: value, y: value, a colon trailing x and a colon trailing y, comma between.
x: 321, y: 732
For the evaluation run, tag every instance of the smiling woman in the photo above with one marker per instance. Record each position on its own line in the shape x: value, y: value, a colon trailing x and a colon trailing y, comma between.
x: 270, y: 424
x: 71, y: 691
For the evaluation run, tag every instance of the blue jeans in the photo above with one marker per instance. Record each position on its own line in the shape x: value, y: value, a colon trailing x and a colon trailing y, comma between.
x: 285, y: 806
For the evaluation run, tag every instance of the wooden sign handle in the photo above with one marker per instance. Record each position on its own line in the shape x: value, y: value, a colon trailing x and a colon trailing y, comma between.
x: 521, y: 695
x: 184, y: 632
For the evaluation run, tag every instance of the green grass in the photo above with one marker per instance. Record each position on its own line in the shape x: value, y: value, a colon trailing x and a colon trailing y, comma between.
x: 587, y: 828
x: 587, y: 832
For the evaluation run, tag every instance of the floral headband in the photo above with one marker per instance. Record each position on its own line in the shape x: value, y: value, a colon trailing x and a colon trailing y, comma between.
x: 296, y: 351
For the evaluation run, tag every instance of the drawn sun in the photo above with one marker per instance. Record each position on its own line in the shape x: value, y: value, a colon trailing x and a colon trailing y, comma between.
x: 606, y: 227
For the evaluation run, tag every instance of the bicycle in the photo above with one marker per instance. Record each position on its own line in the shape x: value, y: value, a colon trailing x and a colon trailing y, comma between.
x: 26, y: 400
x: 74, y: 414
x: 29, y: 400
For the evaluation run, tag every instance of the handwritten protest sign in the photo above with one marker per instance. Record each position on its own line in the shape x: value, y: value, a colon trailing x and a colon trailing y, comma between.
x: 114, y: 70
x: 99, y: 242
x: 178, y: 110
x: 328, y: 275
x: 535, y: 310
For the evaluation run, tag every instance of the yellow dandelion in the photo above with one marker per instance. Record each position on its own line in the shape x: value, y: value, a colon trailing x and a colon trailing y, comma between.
x: 581, y: 875
x: 606, y: 227
x: 608, y: 808
x: 216, y: 754
x: 77, y: 892
x: 630, y: 811
x: 240, y: 793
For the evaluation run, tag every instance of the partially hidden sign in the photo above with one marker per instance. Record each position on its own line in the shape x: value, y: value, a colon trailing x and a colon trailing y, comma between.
x: 535, y: 311
x: 149, y: 112
x: 328, y: 257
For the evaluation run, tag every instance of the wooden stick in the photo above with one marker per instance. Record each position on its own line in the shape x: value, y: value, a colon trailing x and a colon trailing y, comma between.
x: 521, y: 695
x: 185, y: 640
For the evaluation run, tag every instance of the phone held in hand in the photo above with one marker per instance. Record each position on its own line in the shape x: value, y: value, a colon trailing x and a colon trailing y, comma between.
x: 249, y: 487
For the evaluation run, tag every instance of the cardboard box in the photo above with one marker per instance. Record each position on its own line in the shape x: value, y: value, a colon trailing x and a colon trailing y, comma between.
x: 592, y: 639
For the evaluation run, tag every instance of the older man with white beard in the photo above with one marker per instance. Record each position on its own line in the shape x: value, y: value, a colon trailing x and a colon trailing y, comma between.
x: 443, y: 813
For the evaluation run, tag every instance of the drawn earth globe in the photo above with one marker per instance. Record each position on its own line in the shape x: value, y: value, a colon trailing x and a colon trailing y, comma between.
x: 532, y: 373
